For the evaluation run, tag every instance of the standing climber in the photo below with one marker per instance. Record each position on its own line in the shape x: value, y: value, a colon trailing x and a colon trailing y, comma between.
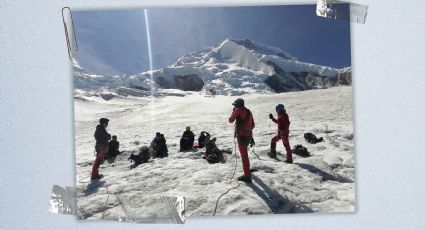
x: 243, y: 132
x: 282, y: 122
x: 102, y: 137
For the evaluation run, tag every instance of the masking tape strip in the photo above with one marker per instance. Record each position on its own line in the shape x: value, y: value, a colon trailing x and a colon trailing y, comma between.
x: 105, y: 205
x: 341, y: 10
x: 151, y: 209
x: 63, y: 200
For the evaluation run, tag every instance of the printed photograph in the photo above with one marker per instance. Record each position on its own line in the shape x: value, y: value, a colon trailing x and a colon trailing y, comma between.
x: 212, y: 111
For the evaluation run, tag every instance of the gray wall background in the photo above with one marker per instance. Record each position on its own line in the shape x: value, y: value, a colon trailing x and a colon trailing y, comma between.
x: 37, y: 119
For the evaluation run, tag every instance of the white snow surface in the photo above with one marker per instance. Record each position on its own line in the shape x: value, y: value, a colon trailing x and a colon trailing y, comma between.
x: 234, y: 67
x: 324, y: 182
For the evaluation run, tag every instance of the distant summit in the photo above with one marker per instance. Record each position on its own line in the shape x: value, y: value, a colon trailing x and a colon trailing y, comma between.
x: 233, y: 67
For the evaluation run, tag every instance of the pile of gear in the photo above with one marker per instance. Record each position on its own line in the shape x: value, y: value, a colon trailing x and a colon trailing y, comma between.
x: 312, y: 139
x: 142, y: 157
x: 301, y: 151
x: 212, y: 153
x: 157, y: 149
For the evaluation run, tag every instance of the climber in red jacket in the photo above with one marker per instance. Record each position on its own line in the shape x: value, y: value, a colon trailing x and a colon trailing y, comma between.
x: 243, y: 133
x: 282, y: 122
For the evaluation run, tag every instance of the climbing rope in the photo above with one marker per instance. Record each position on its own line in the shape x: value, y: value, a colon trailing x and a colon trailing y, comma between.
x: 87, y: 188
x: 253, y: 152
x: 231, y: 179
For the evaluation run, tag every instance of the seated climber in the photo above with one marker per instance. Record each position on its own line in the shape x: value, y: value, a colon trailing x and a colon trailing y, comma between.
x: 158, y: 147
x: 143, y: 157
x: 187, y: 139
x: 202, y: 138
x: 114, y: 148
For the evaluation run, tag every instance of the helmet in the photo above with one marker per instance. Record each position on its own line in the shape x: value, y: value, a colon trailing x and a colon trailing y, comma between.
x: 103, y: 121
x: 239, y: 102
x: 280, y: 108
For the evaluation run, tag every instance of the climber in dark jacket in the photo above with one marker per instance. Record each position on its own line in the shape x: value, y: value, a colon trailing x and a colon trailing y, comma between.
x: 102, y: 138
x: 163, y: 146
x: 202, y: 138
x: 187, y: 139
x: 114, y: 148
x: 155, y: 145
x: 158, y: 147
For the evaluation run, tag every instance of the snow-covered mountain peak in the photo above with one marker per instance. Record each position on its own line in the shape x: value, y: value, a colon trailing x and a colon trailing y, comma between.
x: 233, y: 67
x: 262, y: 49
x: 233, y: 50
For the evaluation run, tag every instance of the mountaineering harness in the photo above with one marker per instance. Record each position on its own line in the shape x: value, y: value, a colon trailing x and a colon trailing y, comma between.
x: 241, y: 124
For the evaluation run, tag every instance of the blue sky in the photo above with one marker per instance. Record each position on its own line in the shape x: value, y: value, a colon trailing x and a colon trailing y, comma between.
x: 115, y: 41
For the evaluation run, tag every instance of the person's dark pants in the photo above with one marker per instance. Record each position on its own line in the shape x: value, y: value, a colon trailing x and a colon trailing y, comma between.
x: 243, y: 143
x: 186, y: 144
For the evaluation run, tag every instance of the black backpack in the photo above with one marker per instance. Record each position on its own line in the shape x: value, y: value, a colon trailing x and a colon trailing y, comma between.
x: 301, y: 151
x: 143, y: 156
x: 312, y: 139
x: 212, y: 154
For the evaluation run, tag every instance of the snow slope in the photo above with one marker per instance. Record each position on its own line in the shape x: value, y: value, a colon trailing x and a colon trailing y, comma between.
x: 234, y: 67
x: 323, y: 182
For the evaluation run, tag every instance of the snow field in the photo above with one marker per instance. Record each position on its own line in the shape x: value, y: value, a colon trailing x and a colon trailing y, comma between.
x: 324, y: 182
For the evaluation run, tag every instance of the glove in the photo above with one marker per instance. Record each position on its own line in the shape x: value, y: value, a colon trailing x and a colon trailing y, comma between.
x: 251, y: 142
x: 271, y: 116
